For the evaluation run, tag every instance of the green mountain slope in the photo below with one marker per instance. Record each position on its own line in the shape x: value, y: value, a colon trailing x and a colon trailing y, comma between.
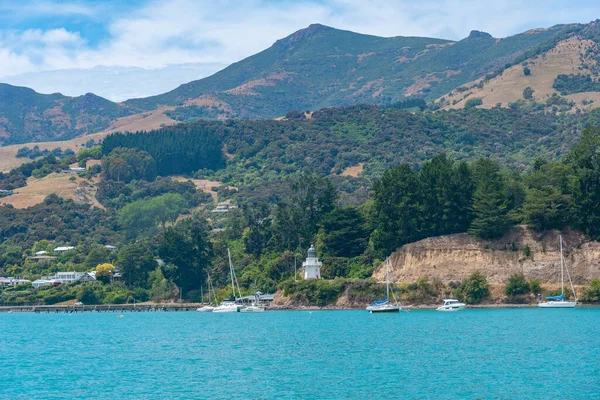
x: 26, y: 115
x: 320, y: 67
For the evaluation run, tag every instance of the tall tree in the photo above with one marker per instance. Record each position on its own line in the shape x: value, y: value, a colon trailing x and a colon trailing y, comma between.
x: 135, y: 262
x: 397, y: 209
x: 187, y: 252
x: 490, y: 202
x: 308, y: 199
x: 258, y: 221
x: 124, y: 164
x: 344, y: 232
x: 585, y: 158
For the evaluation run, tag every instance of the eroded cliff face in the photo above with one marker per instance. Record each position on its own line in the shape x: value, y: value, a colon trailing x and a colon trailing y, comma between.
x: 455, y: 257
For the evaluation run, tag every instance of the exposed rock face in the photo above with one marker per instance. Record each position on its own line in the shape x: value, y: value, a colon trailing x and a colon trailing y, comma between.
x: 479, y: 35
x: 455, y: 257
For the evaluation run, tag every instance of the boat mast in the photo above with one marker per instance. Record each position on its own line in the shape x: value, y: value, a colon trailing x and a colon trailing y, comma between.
x: 387, y: 279
x: 231, y: 273
x: 562, y: 270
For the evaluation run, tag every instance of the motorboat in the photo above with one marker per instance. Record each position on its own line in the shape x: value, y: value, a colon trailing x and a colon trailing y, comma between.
x: 255, y: 306
x: 560, y: 301
x: 205, y: 309
x: 385, y: 306
x: 252, y: 308
x: 452, y: 305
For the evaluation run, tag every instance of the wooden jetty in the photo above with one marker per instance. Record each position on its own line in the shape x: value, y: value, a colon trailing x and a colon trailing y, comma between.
x: 103, y: 308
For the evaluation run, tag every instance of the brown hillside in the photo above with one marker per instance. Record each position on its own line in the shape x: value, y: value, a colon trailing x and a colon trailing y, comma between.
x: 455, y: 257
x: 570, y: 56
x: 138, y: 122
x: 35, y: 192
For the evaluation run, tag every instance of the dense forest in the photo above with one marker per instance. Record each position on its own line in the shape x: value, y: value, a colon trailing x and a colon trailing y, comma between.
x: 182, y: 149
x: 482, y: 186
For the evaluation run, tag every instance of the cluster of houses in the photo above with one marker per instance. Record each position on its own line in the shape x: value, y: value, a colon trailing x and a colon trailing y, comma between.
x: 223, y: 208
x: 63, y: 278
x: 58, y: 278
x: 55, y: 280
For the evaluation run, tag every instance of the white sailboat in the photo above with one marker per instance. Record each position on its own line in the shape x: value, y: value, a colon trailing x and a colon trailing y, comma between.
x: 384, y: 306
x: 209, y: 307
x: 559, y: 301
x: 229, y: 306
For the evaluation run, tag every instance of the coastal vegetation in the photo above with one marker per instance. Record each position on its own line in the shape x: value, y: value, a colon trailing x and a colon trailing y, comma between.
x: 290, y: 196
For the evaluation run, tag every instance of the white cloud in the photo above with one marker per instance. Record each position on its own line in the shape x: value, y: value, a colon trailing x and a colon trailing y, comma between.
x: 159, y: 33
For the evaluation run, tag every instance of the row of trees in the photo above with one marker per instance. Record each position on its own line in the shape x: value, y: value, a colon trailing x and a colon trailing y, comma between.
x: 445, y: 197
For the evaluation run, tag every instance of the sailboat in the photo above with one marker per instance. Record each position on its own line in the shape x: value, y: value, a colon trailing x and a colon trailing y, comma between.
x: 559, y: 301
x: 209, y: 307
x: 229, y: 306
x: 384, y: 306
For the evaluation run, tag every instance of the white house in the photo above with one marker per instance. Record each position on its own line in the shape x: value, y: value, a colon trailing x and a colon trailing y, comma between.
x: 312, y: 265
x: 63, y: 278
x: 40, y: 253
x: 223, y: 208
x: 43, y: 282
x: 63, y: 249
x: 10, y: 281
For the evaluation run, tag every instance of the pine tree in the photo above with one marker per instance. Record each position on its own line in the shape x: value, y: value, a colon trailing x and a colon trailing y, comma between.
x: 490, y: 203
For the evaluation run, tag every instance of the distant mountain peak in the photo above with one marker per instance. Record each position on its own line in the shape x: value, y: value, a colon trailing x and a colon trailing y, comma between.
x: 303, y: 34
x: 479, y: 35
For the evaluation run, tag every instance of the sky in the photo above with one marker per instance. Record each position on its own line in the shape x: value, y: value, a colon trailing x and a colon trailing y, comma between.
x: 137, y: 48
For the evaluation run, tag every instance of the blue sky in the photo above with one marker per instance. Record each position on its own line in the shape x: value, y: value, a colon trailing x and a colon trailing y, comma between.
x: 135, y: 48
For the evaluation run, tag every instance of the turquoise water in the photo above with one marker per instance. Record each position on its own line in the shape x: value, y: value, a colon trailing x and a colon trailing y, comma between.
x: 490, y: 354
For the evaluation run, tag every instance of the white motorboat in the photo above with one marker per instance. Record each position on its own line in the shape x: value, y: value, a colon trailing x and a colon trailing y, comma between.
x: 205, y: 309
x: 384, y: 306
x: 452, y: 305
x: 253, y: 308
x: 560, y: 301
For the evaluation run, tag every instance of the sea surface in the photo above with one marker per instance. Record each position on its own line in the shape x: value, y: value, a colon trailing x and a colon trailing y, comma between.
x: 487, y: 354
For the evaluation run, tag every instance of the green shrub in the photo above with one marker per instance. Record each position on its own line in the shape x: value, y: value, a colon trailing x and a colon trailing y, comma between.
x: 517, y: 285
x: 592, y: 293
x: 474, y: 102
x: 535, y: 286
x: 473, y: 289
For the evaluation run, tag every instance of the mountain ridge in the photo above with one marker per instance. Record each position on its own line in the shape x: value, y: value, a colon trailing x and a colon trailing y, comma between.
x: 312, y: 68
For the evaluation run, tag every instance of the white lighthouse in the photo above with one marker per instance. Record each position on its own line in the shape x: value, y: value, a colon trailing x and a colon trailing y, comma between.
x: 312, y: 265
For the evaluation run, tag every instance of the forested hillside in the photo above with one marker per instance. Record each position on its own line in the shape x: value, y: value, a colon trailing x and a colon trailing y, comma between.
x: 374, y: 139
x: 266, y: 235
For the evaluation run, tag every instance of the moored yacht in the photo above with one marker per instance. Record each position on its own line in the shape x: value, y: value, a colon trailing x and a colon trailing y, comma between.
x: 384, y: 306
x: 227, y: 306
x: 560, y: 301
x: 452, y: 305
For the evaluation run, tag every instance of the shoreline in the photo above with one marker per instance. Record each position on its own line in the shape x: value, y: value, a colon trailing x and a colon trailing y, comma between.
x: 164, y: 307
